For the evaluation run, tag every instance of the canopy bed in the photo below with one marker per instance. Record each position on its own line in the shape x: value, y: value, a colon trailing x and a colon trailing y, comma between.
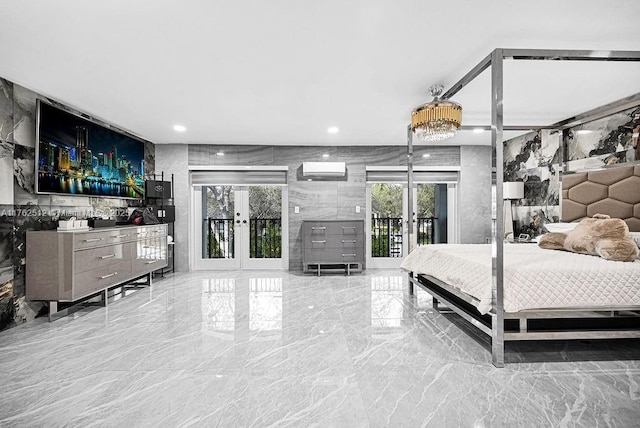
x: 526, y: 292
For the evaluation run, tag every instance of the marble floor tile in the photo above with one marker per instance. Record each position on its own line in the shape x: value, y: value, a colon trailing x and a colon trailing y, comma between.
x: 265, y: 348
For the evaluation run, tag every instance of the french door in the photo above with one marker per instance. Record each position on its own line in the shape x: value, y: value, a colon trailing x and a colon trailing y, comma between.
x: 239, y: 226
x: 387, y: 219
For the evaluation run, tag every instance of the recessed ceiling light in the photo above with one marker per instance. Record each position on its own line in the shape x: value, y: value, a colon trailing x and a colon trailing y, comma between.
x: 333, y: 130
x: 426, y: 155
x: 584, y: 131
x: 220, y: 154
x: 478, y: 130
x: 179, y: 128
x: 326, y: 155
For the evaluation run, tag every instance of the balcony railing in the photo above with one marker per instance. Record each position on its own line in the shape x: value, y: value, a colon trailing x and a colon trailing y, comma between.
x: 220, y: 238
x: 425, y: 229
x: 266, y: 238
x: 386, y: 235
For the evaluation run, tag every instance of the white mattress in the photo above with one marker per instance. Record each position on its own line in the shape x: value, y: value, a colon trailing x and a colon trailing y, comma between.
x: 534, y: 278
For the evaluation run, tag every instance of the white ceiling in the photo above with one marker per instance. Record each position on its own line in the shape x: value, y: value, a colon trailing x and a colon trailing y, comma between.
x: 281, y: 72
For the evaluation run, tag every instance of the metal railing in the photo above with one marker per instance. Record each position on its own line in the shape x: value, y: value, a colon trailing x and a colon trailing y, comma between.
x: 386, y: 237
x: 220, y: 238
x: 426, y: 230
x: 265, y: 238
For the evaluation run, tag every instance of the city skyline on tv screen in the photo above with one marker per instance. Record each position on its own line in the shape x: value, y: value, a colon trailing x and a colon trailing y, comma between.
x: 80, y: 157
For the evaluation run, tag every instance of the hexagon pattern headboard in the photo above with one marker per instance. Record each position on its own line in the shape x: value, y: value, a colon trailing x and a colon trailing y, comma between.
x: 614, y: 191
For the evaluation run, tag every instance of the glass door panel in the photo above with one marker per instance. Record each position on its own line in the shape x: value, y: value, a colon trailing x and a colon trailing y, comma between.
x: 239, y: 227
x: 387, y: 231
x: 263, y: 237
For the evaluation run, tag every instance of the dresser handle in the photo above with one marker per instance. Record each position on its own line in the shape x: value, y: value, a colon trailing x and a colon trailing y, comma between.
x: 151, y: 262
x: 119, y: 236
x: 142, y: 233
x: 353, y: 242
x: 348, y: 255
x: 110, y: 275
x: 92, y: 240
x: 349, y: 227
x: 108, y: 256
x: 147, y: 246
x: 319, y: 228
x: 318, y: 242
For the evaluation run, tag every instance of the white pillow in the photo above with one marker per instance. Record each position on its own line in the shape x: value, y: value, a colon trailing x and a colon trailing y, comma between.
x: 636, y: 237
x: 560, y: 227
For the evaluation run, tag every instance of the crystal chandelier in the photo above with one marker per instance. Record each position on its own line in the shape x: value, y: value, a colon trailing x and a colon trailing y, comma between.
x: 437, y: 120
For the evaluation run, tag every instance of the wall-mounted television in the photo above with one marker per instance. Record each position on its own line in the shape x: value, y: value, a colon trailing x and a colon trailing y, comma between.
x: 76, y: 156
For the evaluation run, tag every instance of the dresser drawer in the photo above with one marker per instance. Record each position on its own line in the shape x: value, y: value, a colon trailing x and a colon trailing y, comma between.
x: 117, y: 236
x: 150, y: 232
x: 90, y: 240
x: 333, y: 255
x: 334, y: 241
x: 92, y: 258
x: 89, y: 282
x: 322, y: 228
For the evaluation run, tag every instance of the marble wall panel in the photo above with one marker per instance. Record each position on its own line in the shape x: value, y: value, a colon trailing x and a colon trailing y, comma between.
x: 609, y: 140
x: 7, y: 303
x: 6, y: 173
x: 534, y: 159
x: 24, y: 116
x: 6, y: 111
x: 149, y: 160
x: 24, y: 169
x: 474, y: 194
x: 350, y: 195
x: 373, y: 155
x: 174, y: 158
x: 200, y: 154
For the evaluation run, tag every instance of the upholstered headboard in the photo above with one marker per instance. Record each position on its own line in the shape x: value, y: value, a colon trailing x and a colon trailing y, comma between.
x: 613, y: 191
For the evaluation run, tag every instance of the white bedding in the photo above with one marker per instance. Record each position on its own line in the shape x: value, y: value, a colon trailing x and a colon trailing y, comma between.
x: 534, y: 278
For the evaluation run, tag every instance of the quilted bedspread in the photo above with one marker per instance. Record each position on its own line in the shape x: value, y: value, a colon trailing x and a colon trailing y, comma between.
x: 534, y: 278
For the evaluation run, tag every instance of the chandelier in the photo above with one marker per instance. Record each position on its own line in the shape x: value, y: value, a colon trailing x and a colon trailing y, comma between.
x: 437, y: 120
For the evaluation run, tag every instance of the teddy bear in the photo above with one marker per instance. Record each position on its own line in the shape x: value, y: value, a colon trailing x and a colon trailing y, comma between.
x: 600, y: 235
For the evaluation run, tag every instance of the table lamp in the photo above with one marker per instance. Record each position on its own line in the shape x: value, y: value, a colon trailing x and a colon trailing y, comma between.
x: 510, y: 190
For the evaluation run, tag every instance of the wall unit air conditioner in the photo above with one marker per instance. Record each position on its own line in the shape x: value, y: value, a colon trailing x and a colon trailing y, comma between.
x: 323, y: 169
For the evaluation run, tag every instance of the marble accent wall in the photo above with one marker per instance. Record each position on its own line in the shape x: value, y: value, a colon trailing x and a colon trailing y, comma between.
x: 6, y: 203
x: 317, y: 199
x: 604, y: 142
x: 21, y: 209
x: 474, y: 194
x: 534, y: 159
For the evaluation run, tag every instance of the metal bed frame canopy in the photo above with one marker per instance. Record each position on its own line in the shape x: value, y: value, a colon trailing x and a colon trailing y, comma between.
x: 495, y: 60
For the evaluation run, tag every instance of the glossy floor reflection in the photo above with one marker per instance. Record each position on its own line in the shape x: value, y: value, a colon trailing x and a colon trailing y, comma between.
x: 234, y: 349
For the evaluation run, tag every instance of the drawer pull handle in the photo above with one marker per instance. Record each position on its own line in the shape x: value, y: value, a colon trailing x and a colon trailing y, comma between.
x: 147, y: 246
x: 348, y: 255
x: 142, y: 233
x: 119, y: 236
x: 345, y: 241
x: 151, y: 262
x: 318, y: 242
x: 108, y: 256
x: 318, y: 228
x: 108, y: 276
x: 92, y: 240
x: 348, y: 227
